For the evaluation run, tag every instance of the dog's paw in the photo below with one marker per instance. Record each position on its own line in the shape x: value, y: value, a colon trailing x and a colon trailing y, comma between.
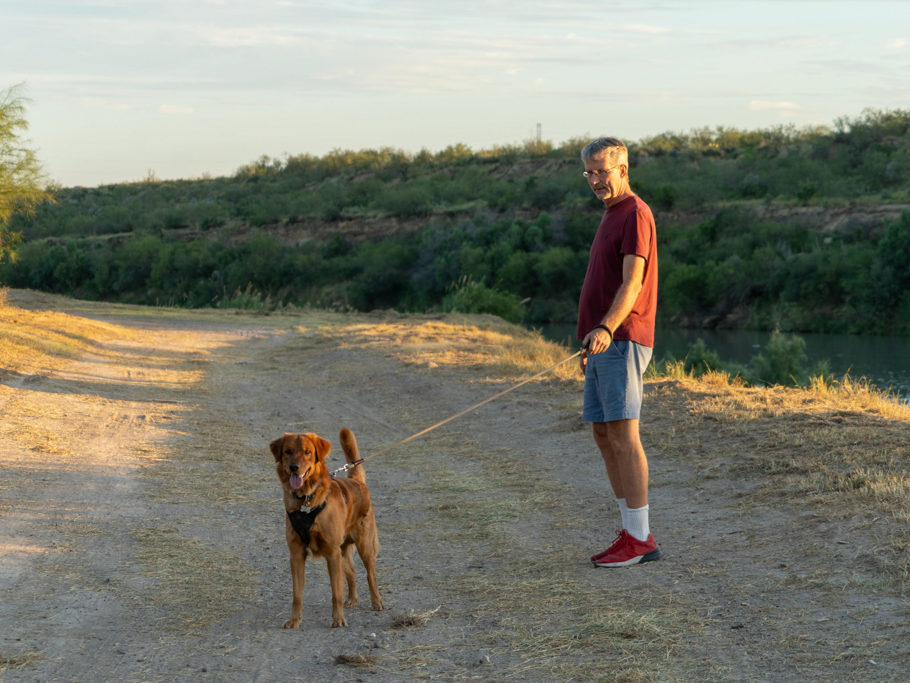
x: 339, y: 621
x: 292, y: 623
x: 377, y: 604
x: 351, y: 601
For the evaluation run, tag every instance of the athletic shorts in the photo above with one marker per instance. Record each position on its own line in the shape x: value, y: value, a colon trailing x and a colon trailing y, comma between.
x: 613, y: 382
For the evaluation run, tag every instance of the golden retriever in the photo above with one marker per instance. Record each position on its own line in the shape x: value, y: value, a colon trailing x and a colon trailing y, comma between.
x: 326, y: 517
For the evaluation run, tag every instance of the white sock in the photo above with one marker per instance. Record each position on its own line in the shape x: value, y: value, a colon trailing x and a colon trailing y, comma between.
x: 638, y: 523
x: 623, y: 512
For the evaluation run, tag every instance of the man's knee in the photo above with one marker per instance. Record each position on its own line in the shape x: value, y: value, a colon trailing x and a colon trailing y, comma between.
x: 601, y: 435
x: 621, y: 430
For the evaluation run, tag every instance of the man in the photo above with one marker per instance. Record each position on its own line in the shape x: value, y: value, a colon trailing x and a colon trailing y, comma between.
x: 616, y: 313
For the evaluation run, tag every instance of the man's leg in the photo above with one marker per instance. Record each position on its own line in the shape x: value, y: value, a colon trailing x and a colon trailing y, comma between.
x: 625, y: 461
x: 627, y: 468
x: 612, y: 403
x: 624, y: 456
x: 611, y: 460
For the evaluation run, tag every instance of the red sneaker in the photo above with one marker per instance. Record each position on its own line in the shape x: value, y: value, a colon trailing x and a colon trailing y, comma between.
x: 630, y: 551
x: 618, y: 541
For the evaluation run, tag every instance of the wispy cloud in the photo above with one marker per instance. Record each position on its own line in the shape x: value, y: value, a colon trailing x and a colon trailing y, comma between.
x: 103, y: 103
x: 896, y: 44
x: 173, y: 109
x: 764, y: 105
x: 643, y: 28
x: 256, y: 36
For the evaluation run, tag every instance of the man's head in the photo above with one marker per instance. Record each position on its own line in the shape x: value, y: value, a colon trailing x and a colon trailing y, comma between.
x: 607, y: 169
x: 610, y: 150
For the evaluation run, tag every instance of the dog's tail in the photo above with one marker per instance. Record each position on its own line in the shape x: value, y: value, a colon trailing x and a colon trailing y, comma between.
x: 352, y: 454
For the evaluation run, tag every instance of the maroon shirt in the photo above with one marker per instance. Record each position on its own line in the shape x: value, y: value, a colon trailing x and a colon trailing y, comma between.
x: 626, y: 228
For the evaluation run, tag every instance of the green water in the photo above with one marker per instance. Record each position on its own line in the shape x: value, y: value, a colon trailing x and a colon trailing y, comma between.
x: 884, y: 361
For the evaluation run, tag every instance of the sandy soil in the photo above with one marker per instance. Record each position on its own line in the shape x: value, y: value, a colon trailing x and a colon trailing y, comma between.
x: 142, y: 529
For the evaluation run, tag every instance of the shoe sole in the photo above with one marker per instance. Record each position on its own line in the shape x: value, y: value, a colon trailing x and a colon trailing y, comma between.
x: 647, y: 557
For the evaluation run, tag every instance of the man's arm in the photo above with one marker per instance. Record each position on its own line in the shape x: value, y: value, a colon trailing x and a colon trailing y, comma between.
x: 633, y: 275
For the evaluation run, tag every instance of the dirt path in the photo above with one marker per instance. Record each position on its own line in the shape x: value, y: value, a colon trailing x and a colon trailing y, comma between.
x: 142, y: 530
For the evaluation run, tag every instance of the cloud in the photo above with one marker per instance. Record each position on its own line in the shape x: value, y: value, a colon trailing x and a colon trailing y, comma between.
x: 896, y: 44
x: 256, y: 36
x: 642, y: 28
x: 102, y: 103
x: 764, y: 105
x: 172, y: 109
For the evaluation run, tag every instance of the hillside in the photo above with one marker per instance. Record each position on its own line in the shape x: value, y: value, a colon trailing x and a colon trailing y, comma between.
x: 142, y: 526
x: 796, y: 230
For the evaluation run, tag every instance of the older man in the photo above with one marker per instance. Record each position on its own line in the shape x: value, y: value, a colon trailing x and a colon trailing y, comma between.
x: 616, y: 313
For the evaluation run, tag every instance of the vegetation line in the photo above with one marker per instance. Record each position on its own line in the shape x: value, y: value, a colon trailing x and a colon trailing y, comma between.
x: 778, y: 229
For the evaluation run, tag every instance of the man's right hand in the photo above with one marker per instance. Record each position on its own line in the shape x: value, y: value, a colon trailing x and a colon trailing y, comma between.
x: 597, y: 340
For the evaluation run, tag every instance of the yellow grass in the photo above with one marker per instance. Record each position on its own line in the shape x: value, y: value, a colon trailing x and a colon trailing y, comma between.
x: 842, y: 445
x: 38, y: 341
x: 483, y: 342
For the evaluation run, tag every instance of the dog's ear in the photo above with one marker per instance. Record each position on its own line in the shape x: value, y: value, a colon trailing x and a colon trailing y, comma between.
x: 275, y: 447
x: 322, y: 447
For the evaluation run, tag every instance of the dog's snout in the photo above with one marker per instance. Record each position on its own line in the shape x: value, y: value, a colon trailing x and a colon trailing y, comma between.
x: 294, y: 467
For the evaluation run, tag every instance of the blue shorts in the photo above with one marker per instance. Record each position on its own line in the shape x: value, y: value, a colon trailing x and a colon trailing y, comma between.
x: 613, y: 382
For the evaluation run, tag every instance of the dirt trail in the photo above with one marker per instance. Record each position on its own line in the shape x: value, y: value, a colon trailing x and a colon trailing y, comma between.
x: 142, y: 530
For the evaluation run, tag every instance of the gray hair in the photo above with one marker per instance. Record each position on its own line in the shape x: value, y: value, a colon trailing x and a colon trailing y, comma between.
x: 612, y: 150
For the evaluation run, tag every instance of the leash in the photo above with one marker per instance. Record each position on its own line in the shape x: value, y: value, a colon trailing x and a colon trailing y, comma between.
x: 352, y: 465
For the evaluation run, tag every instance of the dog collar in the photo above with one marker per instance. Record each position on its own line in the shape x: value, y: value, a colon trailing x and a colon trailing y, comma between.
x: 308, y: 498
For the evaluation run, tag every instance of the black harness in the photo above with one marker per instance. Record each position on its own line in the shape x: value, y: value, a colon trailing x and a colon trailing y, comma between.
x: 303, y: 522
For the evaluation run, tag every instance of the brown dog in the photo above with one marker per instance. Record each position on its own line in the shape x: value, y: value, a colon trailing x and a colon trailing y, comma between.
x: 326, y: 517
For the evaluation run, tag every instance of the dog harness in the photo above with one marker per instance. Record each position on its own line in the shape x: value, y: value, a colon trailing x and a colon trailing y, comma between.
x: 302, y: 521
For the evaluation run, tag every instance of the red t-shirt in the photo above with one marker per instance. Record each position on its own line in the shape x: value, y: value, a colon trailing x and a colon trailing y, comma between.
x: 626, y: 228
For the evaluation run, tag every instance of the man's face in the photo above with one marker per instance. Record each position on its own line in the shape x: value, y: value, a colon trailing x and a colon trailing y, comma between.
x: 605, y: 181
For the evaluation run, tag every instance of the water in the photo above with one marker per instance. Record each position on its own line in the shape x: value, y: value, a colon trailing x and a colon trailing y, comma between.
x: 884, y: 361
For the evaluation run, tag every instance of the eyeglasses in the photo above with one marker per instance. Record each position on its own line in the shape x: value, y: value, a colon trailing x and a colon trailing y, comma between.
x: 603, y: 173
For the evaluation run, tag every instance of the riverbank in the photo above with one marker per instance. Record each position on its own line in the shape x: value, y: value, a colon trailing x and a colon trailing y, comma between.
x: 883, y: 361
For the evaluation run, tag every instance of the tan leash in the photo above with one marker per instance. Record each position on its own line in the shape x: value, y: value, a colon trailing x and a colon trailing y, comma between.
x: 354, y: 464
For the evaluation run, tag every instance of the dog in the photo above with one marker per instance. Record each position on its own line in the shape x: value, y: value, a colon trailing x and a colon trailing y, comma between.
x: 327, y: 517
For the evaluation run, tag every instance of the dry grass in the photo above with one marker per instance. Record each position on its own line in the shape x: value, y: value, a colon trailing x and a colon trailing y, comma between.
x: 414, y: 619
x: 356, y: 661
x: 841, y: 446
x: 73, y: 382
x: 540, y: 609
x: 22, y: 661
x: 32, y: 342
x: 192, y: 584
x: 486, y: 343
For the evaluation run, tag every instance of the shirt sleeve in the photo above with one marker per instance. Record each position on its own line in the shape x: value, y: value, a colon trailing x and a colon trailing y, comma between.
x: 637, y: 234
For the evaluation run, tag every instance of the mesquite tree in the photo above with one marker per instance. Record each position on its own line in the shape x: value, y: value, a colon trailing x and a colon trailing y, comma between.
x: 21, y: 178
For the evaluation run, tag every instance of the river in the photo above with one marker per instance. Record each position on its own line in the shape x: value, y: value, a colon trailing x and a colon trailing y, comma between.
x: 884, y: 361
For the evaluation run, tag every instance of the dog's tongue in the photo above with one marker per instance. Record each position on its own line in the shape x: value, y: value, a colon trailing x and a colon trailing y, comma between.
x: 296, y: 481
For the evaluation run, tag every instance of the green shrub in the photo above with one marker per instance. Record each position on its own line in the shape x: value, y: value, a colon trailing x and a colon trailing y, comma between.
x: 782, y: 361
x: 468, y: 296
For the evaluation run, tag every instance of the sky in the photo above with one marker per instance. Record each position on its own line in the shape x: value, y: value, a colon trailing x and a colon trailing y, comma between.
x: 124, y: 90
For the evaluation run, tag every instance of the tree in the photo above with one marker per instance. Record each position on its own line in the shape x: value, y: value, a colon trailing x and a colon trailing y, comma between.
x: 21, y: 177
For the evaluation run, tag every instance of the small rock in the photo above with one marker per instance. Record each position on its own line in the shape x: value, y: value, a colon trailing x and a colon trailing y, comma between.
x: 481, y: 659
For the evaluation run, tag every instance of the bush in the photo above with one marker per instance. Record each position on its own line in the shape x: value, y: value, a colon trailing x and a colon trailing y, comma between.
x: 783, y: 361
x: 468, y: 296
